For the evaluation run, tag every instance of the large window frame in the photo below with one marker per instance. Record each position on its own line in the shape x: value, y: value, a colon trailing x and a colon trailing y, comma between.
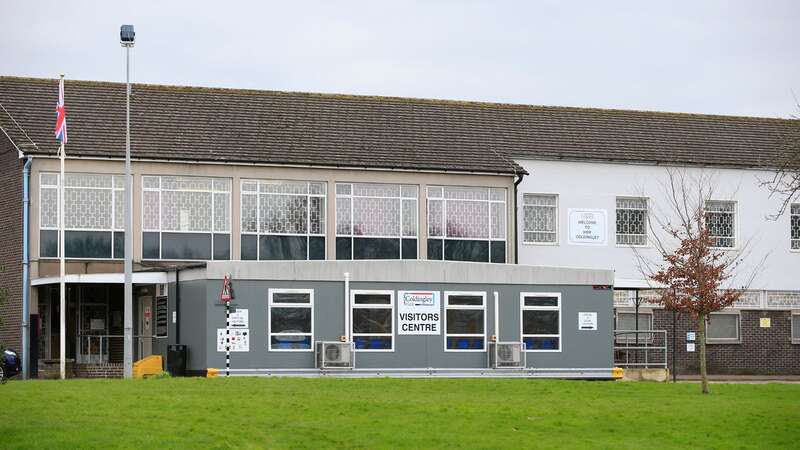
x: 272, y: 304
x: 712, y: 208
x: 376, y: 306
x: 531, y: 202
x: 710, y: 322
x: 626, y: 209
x: 347, y: 234
x: 560, y: 321
x: 795, y: 327
x: 314, y: 191
x: 225, y: 232
x: 49, y: 214
x: 460, y: 336
x: 794, y: 227
x: 442, y: 234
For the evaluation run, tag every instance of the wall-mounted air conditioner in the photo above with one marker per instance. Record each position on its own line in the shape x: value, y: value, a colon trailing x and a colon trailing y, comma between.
x: 335, y: 355
x: 506, y: 355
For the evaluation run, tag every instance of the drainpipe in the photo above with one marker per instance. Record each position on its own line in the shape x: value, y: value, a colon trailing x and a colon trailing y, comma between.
x: 496, y: 317
x: 346, y: 334
x: 26, y: 174
x: 177, y: 305
x: 516, y: 216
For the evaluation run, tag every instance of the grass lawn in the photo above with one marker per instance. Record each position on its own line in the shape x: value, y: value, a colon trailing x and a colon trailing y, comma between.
x: 389, y: 413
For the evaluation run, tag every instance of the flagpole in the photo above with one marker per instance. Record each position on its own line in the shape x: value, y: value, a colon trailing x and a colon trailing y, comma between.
x: 62, y: 285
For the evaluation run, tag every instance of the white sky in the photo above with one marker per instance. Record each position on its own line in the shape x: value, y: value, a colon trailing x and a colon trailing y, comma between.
x: 721, y: 57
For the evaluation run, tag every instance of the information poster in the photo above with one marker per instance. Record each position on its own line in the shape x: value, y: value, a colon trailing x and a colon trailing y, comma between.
x: 587, y: 321
x: 239, y: 319
x: 587, y: 226
x: 240, y: 340
x: 419, y: 312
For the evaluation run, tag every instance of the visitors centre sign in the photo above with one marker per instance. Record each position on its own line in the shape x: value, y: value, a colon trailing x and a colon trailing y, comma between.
x: 419, y: 312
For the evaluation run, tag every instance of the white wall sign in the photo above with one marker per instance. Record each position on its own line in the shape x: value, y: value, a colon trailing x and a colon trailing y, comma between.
x: 240, y: 340
x: 690, y: 347
x: 239, y: 319
x: 690, y: 336
x: 419, y: 312
x: 587, y: 321
x: 587, y: 226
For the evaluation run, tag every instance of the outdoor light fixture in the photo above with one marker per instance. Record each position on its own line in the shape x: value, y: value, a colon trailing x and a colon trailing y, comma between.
x: 126, y: 35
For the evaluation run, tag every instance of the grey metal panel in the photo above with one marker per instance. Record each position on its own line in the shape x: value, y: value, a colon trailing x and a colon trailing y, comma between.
x: 194, y: 329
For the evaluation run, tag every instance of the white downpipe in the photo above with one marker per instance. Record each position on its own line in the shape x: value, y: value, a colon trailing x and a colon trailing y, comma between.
x: 497, y: 315
x: 347, y: 307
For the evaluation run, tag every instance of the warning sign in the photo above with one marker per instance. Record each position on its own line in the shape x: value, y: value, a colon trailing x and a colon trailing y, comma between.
x: 419, y: 312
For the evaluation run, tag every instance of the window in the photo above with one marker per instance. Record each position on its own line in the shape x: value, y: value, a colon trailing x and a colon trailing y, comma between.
x: 186, y: 218
x: 626, y: 321
x: 290, y: 318
x: 465, y: 321
x: 283, y: 220
x: 376, y: 221
x: 93, y: 216
x: 467, y: 224
x: 722, y: 328
x: 541, y: 321
x: 796, y: 327
x: 539, y: 218
x: 721, y: 223
x: 373, y: 320
x: 631, y: 221
x: 794, y: 226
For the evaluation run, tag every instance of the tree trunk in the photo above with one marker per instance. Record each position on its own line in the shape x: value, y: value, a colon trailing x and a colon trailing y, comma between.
x: 701, y: 325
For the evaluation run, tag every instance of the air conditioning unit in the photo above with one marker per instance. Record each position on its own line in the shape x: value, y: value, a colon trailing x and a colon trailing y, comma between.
x: 335, y: 355
x: 506, y: 355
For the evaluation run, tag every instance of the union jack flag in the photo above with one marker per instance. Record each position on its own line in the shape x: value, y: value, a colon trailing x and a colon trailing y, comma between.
x: 61, y: 114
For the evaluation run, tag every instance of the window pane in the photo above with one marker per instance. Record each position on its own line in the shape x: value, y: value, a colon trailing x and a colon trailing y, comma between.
x: 316, y: 248
x: 464, y: 321
x: 291, y: 342
x: 372, y: 299
x: 87, y: 244
x: 88, y: 208
x: 373, y: 342
x: 48, y: 243
x: 290, y: 320
x: 48, y: 205
x: 376, y: 216
x: 249, y: 247
x: 498, y: 220
x: 539, y: 218
x: 626, y: 321
x: 151, y: 245
x: 409, y: 248
x: 376, y: 248
x: 291, y: 297
x: 344, y: 248
x: 368, y: 320
x: 464, y: 343
x: 435, y: 249
x: 343, y: 220
x: 723, y: 326
x: 796, y: 326
x: 498, y: 249
x: 539, y: 322
x: 467, y: 219
x: 186, y: 245
x: 283, y: 247
x: 186, y: 211
x: 541, y: 343
x: 435, y: 211
x: 457, y: 250
x: 222, y: 247
x: 541, y: 301
x: 472, y: 300
x: 283, y: 214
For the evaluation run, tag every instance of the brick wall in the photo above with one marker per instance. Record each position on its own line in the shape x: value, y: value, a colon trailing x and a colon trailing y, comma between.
x: 100, y: 370
x: 761, y: 351
x: 11, y: 243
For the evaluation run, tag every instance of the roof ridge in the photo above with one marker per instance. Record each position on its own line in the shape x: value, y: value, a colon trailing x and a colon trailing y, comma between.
x: 414, y: 100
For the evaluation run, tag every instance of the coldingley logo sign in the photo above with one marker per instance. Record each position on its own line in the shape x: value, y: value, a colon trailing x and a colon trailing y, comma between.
x: 587, y: 227
x: 419, y: 312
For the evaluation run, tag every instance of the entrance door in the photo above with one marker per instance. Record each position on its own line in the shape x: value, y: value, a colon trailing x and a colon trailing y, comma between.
x: 93, y: 333
x: 145, y: 329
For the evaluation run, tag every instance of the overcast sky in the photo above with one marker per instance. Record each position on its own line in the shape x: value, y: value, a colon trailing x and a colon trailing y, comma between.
x: 721, y: 57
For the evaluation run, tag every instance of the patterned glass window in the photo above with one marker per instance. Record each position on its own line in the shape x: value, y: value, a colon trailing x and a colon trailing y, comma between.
x: 93, y: 215
x: 467, y: 223
x: 721, y: 222
x: 186, y: 217
x: 631, y: 221
x: 283, y: 219
x: 540, y: 218
x: 376, y: 221
x: 794, y: 224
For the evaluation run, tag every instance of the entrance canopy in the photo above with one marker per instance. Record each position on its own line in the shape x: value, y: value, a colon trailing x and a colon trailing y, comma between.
x: 107, y: 278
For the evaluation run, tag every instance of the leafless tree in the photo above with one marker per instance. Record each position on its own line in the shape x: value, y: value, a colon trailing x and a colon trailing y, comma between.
x: 785, y: 180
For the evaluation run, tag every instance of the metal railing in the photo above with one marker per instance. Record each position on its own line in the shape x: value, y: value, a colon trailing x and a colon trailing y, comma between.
x: 96, y: 348
x: 642, y: 349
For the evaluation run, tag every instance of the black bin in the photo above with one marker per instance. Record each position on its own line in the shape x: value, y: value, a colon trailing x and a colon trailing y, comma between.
x: 176, y: 360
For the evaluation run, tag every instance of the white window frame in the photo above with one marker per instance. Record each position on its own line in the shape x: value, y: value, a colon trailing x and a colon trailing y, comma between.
x: 523, y: 308
x: 482, y: 307
x: 555, y: 215
x: 737, y: 340
x: 308, y: 234
x: 791, y: 216
x: 646, y: 218
x: 795, y: 340
x: 391, y: 306
x: 271, y: 303
x: 735, y: 236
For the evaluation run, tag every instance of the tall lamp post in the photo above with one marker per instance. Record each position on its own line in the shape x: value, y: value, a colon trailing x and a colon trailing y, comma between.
x: 126, y: 39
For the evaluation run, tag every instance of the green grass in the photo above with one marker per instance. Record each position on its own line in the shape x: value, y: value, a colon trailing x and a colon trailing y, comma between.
x: 390, y: 413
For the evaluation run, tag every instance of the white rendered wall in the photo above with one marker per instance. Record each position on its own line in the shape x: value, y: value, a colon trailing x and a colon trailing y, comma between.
x: 596, y: 186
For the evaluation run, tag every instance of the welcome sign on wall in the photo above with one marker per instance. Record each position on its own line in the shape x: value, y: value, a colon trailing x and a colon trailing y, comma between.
x: 587, y: 227
x: 419, y: 312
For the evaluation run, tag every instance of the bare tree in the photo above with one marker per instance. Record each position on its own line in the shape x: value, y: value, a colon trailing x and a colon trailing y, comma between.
x: 785, y: 180
x: 693, y: 270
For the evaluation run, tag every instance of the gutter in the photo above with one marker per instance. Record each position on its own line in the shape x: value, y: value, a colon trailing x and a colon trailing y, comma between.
x: 516, y: 216
x: 26, y: 174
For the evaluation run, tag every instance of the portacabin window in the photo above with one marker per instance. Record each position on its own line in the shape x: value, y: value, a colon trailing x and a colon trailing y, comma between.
x: 539, y: 219
x: 631, y: 221
x: 376, y: 221
x: 185, y: 218
x: 465, y: 321
x: 290, y: 320
x: 282, y: 220
x: 722, y: 328
x: 541, y: 321
x: 372, y: 322
x: 93, y: 216
x: 467, y: 224
x: 721, y: 222
x: 794, y: 226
